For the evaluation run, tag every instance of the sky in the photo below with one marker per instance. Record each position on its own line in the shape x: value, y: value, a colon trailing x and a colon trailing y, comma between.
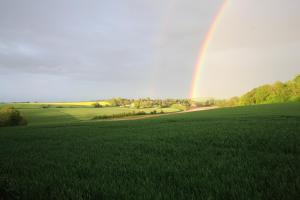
x: 72, y: 50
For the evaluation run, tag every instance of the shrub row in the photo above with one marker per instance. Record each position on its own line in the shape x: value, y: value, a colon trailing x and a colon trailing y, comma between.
x: 121, y: 115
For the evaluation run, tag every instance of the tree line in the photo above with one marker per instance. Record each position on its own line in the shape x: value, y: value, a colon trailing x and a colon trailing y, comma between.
x: 278, y: 92
x: 147, y: 103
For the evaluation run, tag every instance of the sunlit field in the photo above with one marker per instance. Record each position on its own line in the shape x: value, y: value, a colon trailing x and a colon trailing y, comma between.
x: 35, y: 114
x: 247, y: 152
x: 54, y: 104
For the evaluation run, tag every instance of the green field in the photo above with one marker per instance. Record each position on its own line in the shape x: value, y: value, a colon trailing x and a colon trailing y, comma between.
x: 250, y: 152
x: 71, y: 113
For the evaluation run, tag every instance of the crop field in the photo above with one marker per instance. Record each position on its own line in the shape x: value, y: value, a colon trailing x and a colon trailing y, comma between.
x: 71, y: 113
x: 249, y: 152
x: 54, y: 104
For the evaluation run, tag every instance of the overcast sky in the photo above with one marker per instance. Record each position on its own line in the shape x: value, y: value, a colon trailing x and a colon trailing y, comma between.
x: 66, y: 50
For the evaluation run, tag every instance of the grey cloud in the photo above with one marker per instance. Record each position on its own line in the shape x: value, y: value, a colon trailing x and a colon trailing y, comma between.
x: 124, y: 47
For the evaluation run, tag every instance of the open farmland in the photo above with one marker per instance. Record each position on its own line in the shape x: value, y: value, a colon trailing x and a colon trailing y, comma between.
x: 247, y: 152
x: 35, y: 114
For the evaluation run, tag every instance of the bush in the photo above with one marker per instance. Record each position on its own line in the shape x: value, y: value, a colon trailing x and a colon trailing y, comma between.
x: 11, y: 117
x: 46, y: 106
x: 153, y: 112
x: 119, y: 115
x: 96, y: 105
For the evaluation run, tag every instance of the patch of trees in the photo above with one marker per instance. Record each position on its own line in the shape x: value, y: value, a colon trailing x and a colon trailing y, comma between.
x: 11, y: 117
x: 203, y: 103
x: 275, y: 93
x: 149, y: 103
x: 97, y: 105
x: 278, y: 92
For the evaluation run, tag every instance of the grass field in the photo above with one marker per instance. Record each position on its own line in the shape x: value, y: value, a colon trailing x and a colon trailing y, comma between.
x: 71, y: 113
x: 248, y: 152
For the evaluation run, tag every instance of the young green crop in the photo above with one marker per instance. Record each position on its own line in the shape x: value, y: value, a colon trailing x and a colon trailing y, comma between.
x: 232, y: 153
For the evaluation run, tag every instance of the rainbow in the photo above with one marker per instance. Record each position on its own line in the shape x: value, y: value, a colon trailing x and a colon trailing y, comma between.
x: 194, y: 92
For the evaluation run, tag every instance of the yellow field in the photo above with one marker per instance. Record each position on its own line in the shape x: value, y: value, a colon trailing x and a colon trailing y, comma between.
x: 81, y: 103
